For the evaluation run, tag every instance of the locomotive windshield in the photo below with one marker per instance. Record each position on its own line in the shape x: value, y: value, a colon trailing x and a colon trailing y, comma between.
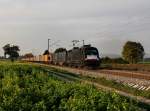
x: 91, y: 52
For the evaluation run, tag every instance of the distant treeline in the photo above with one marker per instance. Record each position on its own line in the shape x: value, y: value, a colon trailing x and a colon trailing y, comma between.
x: 108, y: 60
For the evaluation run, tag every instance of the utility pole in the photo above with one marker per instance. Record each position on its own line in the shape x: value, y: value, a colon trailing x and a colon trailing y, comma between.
x: 48, y: 43
x: 83, y: 42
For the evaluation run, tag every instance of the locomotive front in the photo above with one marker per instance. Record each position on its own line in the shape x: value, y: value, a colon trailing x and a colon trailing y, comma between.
x: 92, y: 58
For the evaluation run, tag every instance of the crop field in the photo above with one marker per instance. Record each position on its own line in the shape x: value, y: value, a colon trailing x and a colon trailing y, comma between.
x: 25, y: 87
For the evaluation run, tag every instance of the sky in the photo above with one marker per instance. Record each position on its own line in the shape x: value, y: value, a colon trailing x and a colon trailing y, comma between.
x: 106, y: 24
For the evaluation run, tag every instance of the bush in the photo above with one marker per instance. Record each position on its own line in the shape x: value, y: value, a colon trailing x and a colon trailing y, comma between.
x: 107, y: 60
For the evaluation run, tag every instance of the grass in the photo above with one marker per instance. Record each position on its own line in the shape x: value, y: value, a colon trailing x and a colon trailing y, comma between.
x: 26, y: 87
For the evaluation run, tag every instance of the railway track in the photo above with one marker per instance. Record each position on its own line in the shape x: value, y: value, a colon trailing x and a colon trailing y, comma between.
x: 71, y: 78
x: 138, y: 80
x: 135, y: 80
x: 120, y: 73
x: 75, y: 75
x: 139, y: 75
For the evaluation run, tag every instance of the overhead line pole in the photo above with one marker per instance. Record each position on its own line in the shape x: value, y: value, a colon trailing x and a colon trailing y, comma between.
x: 48, y: 43
x: 83, y: 42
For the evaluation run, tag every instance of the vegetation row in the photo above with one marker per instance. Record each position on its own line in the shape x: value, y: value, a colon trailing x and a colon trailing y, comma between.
x: 29, y: 88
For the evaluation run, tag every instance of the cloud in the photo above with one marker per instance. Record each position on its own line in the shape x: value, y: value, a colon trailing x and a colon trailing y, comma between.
x: 105, y: 24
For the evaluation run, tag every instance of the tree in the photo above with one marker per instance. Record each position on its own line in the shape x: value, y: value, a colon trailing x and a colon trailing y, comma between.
x: 60, y: 50
x: 28, y: 55
x: 133, y: 52
x: 12, y: 51
x: 46, y: 52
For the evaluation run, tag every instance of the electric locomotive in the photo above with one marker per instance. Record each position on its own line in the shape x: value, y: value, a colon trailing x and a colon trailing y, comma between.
x: 84, y: 56
x: 91, y: 56
x: 78, y: 57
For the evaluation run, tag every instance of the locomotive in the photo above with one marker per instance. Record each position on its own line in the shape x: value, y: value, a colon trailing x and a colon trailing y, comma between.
x: 76, y: 57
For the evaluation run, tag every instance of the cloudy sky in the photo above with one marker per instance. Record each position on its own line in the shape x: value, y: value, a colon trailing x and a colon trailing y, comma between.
x: 106, y: 24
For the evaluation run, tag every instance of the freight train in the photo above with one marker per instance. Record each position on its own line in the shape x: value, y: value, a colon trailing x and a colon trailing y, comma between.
x: 76, y: 57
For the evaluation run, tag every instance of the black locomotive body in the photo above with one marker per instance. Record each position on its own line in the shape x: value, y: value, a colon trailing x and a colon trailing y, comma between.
x: 91, y: 56
x: 75, y: 57
x: 78, y: 57
x: 60, y: 58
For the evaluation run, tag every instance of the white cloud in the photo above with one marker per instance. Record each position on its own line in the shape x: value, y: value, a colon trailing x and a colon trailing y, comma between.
x: 104, y: 23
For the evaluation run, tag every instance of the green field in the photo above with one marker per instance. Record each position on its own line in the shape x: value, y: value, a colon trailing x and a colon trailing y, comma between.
x: 25, y: 87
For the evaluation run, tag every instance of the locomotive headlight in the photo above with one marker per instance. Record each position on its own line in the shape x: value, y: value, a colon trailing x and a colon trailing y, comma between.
x: 92, y: 57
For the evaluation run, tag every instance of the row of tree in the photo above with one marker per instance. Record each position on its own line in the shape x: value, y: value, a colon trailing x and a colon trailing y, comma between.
x: 133, y: 52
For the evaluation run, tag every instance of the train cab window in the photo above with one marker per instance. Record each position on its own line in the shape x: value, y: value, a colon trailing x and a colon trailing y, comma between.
x: 91, y: 52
